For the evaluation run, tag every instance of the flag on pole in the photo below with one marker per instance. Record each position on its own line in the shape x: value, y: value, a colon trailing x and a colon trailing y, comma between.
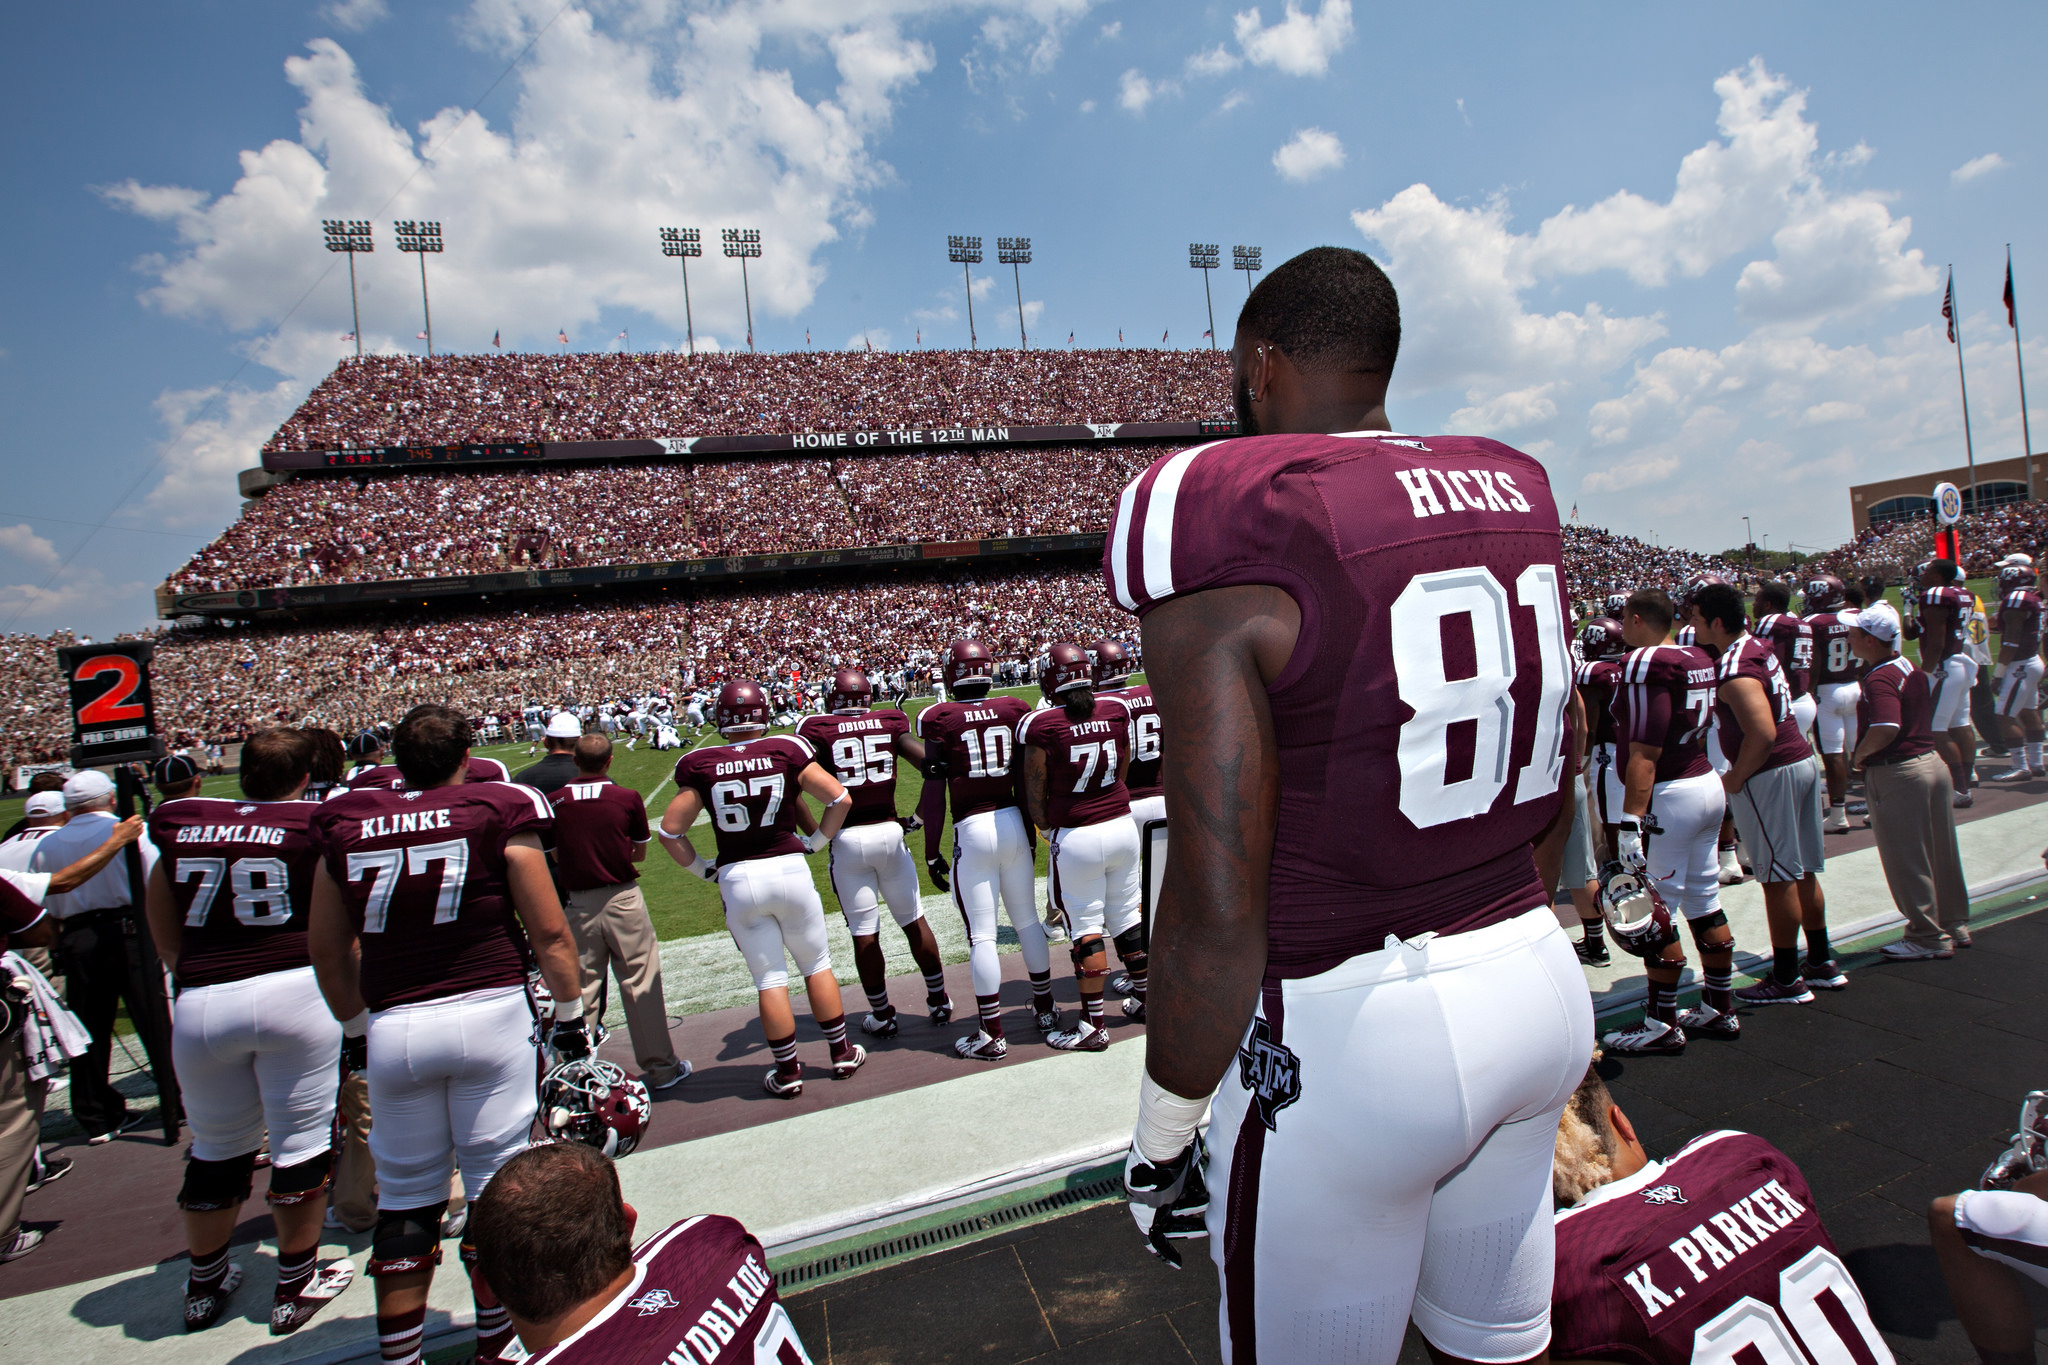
x: 1207, y: 334
x: 1164, y: 335
x: 348, y: 336
x: 420, y: 335
x: 920, y: 336
x: 1948, y: 307
x: 1575, y: 511
x: 563, y: 336
x: 807, y: 336
x: 2012, y: 316
x: 495, y: 340
x: 1070, y: 338
x: 1119, y: 336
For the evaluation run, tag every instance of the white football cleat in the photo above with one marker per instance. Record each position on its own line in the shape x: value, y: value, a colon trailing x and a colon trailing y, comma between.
x: 1649, y: 1038
x: 982, y: 1047
x: 1710, y: 1021
x: 879, y: 1028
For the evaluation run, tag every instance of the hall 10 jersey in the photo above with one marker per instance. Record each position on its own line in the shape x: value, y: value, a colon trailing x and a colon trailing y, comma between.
x: 1426, y: 697
x: 241, y: 876
x: 978, y: 740
x: 861, y: 752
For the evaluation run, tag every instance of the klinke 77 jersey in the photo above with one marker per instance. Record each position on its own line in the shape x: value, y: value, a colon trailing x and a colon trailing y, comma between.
x: 1425, y: 700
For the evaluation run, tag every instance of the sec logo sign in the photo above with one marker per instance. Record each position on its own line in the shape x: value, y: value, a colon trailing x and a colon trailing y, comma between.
x: 1948, y: 503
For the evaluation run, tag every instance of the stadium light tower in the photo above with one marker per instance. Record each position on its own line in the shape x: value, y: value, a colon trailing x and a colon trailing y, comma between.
x: 683, y: 243
x: 965, y: 252
x: 1014, y: 252
x: 1245, y: 258
x: 423, y: 239
x: 351, y: 236
x: 744, y: 243
x: 1205, y: 257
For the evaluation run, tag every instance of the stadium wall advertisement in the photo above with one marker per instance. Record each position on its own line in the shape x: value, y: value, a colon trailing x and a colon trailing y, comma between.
x: 704, y: 447
x: 246, y: 601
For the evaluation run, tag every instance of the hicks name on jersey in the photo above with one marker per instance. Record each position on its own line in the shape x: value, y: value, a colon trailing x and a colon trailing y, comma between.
x: 715, y: 1326
x: 1741, y: 1226
x: 230, y: 834
x: 405, y: 822
x: 1422, y: 499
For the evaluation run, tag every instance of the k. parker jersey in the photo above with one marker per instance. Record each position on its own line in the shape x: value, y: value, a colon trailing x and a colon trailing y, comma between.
x: 861, y: 752
x: 242, y: 878
x: 1716, y: 1255
x: 1754, y: 659
x: 386, y: 777
x: 700, y: 1294
x: 1944, y: 622
x: 1833, y: 660
x: 977, y: 740
x: 2019, y: 622
x: 1791, y: 639
x: 1082, y: 785
x: 423, y: 876
x: 1146, y: 750
x: 751, y: 791
x: 1666, y: 700
x: 1427, y: 694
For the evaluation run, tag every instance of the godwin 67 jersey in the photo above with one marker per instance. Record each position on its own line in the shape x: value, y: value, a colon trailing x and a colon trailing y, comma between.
x: 241, y: 876
x: 1427, y: 694
x: 751, y: 791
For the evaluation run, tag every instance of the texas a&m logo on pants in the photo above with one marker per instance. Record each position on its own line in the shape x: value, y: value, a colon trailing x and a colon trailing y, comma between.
x: 1270, y: 1071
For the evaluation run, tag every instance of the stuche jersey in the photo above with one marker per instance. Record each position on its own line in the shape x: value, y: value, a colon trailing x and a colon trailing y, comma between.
x: 386, y: 777
x: 1427, y: 694
x: 1833, y: 660
x: 978, y: 739
x: 1081, y: 757
x: 2019, y: 621
x: 1714, y: 1255
x: 1143, y: 777
x: 241, y: 877
x: 1791, y: 639
x: 423, y: 876
x: 1666, y: 700
x: 700, y: 1294
x: 1752, y: 658
x: 750, y: 789
x: 861, y: 752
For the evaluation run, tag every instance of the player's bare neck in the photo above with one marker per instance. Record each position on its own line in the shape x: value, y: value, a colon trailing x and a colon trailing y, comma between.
x: 541, y: 1336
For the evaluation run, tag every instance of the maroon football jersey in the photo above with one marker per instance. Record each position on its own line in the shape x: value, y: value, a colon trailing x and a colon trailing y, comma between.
x: 423, y: 876
x: 1666, y: 699
x: 1944, y: 617
x: 1143, y: 775
x: 750, y: 789
x: 242, y: 877
x: 700, y: 1294
x: 1714, y: 1255
x: 1427, y: 695
x: 1833, y: 660
x: 386, y: 777
x: 1750, y: 657
x: 17, y: 912
x: 861, y: 752
x: 1597, y: 681
x: 978, y: 740
x: 2019, y: 621
x: 1791, y: 639
x: 1081, y: 757
x: 598, y: 827
x: 1896, y: 693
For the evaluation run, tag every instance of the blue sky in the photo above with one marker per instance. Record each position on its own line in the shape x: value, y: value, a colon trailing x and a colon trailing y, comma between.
x: 1691, y: 259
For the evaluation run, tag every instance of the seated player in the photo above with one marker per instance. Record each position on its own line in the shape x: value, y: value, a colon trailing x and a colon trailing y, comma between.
x: 554, y: 1241
x: 870, y: 863
x: 1715, y: 1254
x: 750, y: 786
x: 1988, y: 1238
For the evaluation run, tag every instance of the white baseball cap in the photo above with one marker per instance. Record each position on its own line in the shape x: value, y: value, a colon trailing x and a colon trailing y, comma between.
x: 2016, y: 560
x: 562, y: 725
x: 87, y: 789
x: 1878, y: 619
x: 44, y: 804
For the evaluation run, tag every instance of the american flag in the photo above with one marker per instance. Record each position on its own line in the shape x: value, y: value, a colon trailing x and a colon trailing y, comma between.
x: 495, y: 341
x: 563, y: 336
x: 1164, y: 335
x: 2012, y: 316
x: 1948, y: 306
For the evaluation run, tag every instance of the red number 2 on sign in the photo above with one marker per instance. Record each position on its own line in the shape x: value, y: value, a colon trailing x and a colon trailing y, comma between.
x: 112, y: 705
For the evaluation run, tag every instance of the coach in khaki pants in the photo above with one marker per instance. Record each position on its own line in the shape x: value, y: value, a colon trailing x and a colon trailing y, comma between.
x: 600, y: 834
x: 1910, y: 792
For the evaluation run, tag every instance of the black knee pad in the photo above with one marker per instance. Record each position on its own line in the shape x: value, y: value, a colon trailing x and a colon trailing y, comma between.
x: 1131, y: 947
x: 1700, y: 926
x: 211, y: 1186
x: 1081, y: 950
x: 300, y: 1182
x: 406, y: 1241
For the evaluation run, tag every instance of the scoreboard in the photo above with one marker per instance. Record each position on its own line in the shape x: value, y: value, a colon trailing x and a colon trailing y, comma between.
x: 372, y: 456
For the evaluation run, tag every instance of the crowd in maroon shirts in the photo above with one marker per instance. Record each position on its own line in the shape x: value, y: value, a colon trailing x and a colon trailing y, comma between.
x: 455, y: 400
x: 1891, y: 549
x: 1598, y: 562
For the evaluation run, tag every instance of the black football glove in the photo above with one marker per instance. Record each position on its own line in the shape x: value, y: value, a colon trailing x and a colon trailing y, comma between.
x: 936, y: 768
x: 910, y: 822
x: 1168, y: 1200
x: 570, y: 1040
x: 936, y: 866
x: 355, y: 1056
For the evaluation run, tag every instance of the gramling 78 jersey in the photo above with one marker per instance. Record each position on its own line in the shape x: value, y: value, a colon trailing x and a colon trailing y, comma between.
x: 241, y: 877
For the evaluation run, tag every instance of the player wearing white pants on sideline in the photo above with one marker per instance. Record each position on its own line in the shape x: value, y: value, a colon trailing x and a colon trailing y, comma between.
x: 1682, y: 855
x: 1804, y: 710
x: 1834, y: 721
x: 1145, y: 810
x: 992, y: 859
x: 450, y: 1080
x: 772, y: 904
x: 1952, y: 682
x: 257, y: 1055
x: 1412, y: 1108
x: 871, y: 864
x: 1094, y: 877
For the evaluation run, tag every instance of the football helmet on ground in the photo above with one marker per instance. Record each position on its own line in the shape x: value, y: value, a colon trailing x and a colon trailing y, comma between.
x: 2029, y: 1150
x: 1635, y: 913
x: 596, y: 1104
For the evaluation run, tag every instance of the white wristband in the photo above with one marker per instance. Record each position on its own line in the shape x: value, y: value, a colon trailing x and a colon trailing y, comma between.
x: 568, y: 1010
x: 1166, y: 1121
x: 356, y: 1027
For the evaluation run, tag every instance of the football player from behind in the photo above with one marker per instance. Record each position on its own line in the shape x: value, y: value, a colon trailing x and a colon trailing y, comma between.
x: 970, y: 743
x: 1148, y: 797
x: 254, y: 1047
x: 1791, y: 639
x: 1075, y: 755
x: 1728, y: 864
x: 1715, y: 1253
x: 1601, y: 649
x: 416, y: 935
x: 1942, y: 630
x: 2017, y: 679
x: 1672, y: 807
x: 750, y: 784
x: 1836, y: 689
x: 870, y: 863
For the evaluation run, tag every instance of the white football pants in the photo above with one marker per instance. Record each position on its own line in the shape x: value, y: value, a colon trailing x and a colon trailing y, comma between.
x: 1685, y: 858
x: 1383, y: 1148
x: 870, y: 864
x: 1095, y: 876
x: 448, y: 1078
x: 1835, y: 722
x: 1803, y: 711
x: 772, y: 904
x: 2020, y: 689
x: 1952, y: 683
x: 2006, y: 1225
x: 991, y: 859
x: 255, y: 1054
x: 1608, y: 789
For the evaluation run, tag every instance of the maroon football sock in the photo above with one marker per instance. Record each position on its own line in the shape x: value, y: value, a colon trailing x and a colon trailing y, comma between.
x: 990, y: 1008
x: 399, y: 1336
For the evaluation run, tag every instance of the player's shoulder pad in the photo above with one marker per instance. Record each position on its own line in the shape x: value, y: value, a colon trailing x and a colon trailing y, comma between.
x: 516, y: 797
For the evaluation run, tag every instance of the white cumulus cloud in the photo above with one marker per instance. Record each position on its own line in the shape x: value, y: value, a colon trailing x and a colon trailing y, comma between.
x: 21, y: 541
x: 1308, y: 154
x: 1977, y: 167
x: 354, y: 15
x: 1134, y: 91
x: 1301, y: 44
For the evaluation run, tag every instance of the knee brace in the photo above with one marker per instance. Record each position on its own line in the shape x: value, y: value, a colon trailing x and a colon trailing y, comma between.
x: 1083, y: 949
x: 406, y: 1240
x: 303, y: 1181
x: 1131, y: 946
x: 211, y: 1186
x: 1701, y: 926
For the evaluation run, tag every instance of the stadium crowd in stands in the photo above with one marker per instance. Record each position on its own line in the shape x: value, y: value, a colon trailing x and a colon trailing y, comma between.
x: 1597, y: 562
x: 454, y: 400
x: 1890, y: 549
